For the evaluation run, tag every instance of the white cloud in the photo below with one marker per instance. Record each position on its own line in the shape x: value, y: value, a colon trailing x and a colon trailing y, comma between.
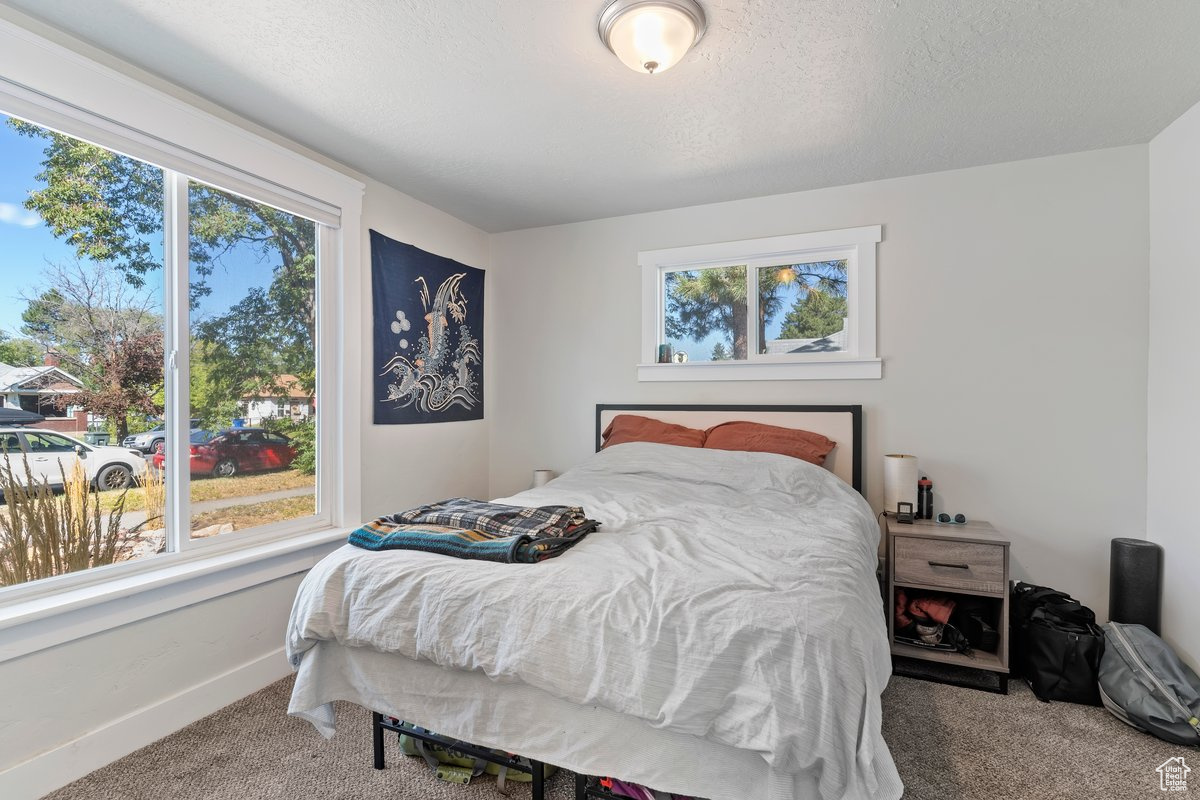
x: 14, y: 214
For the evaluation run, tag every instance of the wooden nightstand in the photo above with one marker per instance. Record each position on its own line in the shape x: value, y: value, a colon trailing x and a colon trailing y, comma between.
x: 968, y: 559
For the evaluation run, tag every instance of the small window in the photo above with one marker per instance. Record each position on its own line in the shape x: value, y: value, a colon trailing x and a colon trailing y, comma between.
x: 705, y: 317
x: 802, y: 308
x: 46, y: 405
x: 788, y: 307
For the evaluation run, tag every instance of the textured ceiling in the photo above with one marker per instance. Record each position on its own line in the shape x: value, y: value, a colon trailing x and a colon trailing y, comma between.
x: 512, y: 114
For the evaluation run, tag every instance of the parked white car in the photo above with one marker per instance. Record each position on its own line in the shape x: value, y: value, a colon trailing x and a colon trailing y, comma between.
x: 51, y: 454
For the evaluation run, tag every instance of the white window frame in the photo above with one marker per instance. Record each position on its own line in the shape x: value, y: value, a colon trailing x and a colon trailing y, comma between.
x: 55, y: 87
x: 859, y: 361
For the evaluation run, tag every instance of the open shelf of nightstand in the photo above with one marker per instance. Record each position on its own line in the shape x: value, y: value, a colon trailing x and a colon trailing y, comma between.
x: 951, y: 560
x: 979, y: 659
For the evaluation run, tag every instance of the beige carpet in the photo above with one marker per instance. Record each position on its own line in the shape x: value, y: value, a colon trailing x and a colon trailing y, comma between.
x: 949, y: 744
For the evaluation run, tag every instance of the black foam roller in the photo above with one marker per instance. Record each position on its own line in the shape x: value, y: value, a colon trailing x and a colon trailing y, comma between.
x: 1135, y: 582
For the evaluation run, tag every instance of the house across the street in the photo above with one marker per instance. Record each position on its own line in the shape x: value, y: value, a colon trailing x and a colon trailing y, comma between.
x: 286, y: 398
x: 40, y: 390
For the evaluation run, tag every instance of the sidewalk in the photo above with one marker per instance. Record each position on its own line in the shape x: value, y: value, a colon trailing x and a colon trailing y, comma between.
x: 131, y: 519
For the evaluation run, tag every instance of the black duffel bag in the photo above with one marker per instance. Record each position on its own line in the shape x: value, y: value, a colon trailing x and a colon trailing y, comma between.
x: 1057, y: 645
x: 1027, y: 598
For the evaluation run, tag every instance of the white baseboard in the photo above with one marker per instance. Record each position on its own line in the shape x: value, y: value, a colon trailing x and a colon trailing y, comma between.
x: 56, y: 768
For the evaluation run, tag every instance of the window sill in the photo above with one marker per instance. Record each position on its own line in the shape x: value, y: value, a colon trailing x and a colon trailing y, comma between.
x: 28, y: 626
x: 824, y: 369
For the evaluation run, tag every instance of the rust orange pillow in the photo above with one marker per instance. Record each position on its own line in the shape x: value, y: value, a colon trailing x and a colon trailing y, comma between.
x: 632, y: 428
x: 755, y: 437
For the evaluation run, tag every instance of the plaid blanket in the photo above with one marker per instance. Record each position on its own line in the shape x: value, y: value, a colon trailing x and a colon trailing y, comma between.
x: 472, y: 529
x: 463, y: 512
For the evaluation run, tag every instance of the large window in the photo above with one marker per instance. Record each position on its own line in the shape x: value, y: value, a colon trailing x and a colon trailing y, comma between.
x: 798, y: 306
x: 162, y: 311
x: 253, y: 297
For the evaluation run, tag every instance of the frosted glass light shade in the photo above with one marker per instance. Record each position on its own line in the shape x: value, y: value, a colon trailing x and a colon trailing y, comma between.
x: 651, y: 36
x: 900, y: 475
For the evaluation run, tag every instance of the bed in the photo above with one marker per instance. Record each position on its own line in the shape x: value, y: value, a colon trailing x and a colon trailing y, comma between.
x: 720, y: 636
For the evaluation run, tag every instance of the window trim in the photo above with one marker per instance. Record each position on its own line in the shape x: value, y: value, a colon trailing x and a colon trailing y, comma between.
x: 90, y: 608
x: 859, y: 362
x: 59, y: 88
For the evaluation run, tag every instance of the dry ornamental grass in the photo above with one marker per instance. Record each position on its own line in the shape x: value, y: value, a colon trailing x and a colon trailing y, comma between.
x: 43, y: 533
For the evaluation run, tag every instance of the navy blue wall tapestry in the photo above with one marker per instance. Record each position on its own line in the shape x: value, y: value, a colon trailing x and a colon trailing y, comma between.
x: 428, y: 335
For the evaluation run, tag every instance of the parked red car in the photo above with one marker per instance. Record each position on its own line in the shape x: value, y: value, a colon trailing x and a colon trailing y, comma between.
x: 238, y: 450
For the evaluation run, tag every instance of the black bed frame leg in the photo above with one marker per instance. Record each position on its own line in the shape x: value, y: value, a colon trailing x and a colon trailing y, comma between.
x: 377, y: 738
x: 539, y: 780
x: 580, y: 786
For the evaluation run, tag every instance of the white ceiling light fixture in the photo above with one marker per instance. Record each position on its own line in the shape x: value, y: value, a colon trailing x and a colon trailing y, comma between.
x: 651, y: 35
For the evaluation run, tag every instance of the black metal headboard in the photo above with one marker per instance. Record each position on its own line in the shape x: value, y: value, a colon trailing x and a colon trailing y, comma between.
x: 841, y: 423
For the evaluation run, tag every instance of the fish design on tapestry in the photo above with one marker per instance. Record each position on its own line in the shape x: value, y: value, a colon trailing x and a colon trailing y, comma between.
x: 424, y: 380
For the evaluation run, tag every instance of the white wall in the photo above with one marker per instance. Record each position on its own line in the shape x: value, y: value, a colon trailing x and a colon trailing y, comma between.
x: 73, y: 708
x: 407, y: 465
x: 1012, y: 324
x: 1173, y: 436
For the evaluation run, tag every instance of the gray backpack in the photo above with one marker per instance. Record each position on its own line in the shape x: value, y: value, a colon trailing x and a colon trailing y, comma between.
x: 1144, y: 684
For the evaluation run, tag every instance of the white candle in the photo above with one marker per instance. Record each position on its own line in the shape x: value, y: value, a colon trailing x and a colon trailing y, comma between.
x: 542, y: 476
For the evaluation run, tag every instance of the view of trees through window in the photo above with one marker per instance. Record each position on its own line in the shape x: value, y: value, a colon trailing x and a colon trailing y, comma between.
x: 801, y: 309
x: 83, y: 310
x: 253, y: 358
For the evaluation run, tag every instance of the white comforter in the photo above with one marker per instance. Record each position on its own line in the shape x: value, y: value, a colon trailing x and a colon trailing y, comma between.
x: 730, y: 596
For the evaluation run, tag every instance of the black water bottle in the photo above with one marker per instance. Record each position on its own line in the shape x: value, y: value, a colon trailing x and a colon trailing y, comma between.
x: 924, y: 498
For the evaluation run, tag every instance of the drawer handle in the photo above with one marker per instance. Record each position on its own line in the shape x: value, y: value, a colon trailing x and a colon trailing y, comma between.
x: 951, y: 566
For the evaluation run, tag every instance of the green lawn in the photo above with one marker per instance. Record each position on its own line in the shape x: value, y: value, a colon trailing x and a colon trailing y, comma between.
x: 254, y: 514
x: 219, y: 488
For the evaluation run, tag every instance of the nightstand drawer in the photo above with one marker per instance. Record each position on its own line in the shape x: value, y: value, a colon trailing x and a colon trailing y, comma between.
x: 973, y: 566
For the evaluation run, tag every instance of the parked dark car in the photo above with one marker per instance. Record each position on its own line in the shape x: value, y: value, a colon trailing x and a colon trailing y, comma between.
x: 237, y: 450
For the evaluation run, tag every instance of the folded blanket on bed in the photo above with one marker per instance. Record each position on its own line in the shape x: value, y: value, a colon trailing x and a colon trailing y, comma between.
x: 505, y: 534
x: 463, y: 512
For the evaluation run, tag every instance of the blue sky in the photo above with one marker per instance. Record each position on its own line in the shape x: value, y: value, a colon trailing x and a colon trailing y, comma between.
x: 27, y: 245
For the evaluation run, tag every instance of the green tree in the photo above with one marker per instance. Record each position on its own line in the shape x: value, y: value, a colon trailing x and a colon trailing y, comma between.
x: 818, y: 315
x: 43, y: 316
x: 109, y: 208
x: 19, y: 352
x: 210, y: 401
x: 720, y: 352
x: 104, y: 332
x: 706, y: 300
x: 703, y: 301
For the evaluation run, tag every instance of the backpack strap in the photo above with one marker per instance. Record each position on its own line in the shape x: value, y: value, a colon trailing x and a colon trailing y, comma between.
x: 424, y: 752
x: 450, y: 773
x: 1041, y: 595
x: 500, y: 776
x: 1067, y: 613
